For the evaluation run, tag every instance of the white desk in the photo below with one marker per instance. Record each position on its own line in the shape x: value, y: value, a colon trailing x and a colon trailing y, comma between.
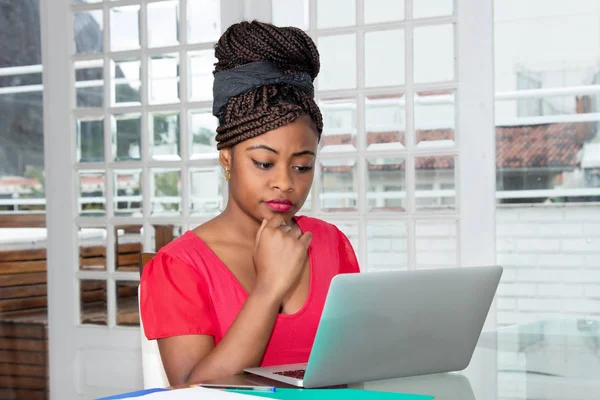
x: 551, y: 360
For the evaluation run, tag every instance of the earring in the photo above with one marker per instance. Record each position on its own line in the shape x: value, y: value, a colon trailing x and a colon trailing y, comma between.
x: 227, y: 174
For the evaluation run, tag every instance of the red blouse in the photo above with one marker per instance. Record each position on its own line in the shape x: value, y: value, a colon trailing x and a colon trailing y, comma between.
x: 187, y: 290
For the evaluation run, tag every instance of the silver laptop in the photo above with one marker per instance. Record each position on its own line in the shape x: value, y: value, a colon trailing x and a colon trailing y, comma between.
x: 382, y: 325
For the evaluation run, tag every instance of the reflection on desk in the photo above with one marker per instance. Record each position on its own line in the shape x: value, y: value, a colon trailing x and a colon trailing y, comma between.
x: 441, y: 386
x: 549, y: 360
x: 554, y: 360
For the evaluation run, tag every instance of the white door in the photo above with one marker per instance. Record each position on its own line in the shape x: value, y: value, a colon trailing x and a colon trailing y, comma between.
x: 406, y: 162
x: 131, y: 164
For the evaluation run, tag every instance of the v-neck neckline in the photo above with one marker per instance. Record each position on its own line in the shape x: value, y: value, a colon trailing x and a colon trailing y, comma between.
x: 241, y: 288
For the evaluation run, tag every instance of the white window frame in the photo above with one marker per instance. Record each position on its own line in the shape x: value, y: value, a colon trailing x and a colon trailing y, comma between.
x: 475, y: 133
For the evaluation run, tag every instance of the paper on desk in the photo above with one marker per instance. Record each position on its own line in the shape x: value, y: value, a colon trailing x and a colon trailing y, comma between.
x: 197, y: 393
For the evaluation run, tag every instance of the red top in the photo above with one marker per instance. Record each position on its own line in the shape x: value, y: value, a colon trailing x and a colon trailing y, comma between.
x: 186, y: 289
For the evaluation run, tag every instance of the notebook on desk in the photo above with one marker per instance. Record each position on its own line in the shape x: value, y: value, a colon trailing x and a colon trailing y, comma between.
x: 393, y: 324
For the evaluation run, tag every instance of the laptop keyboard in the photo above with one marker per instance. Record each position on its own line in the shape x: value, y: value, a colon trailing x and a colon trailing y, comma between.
x: 297, y: 373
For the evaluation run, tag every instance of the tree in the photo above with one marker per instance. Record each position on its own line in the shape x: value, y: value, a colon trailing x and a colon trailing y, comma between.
x: 203, y: 136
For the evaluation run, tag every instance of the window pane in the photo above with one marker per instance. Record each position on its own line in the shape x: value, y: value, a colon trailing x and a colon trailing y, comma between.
x: 202, y: 127
x: 434, y: 53
x: 434, y: 182
x: 124, y: 28
x: 164, y: 142
x: 21, y: 111
x: 92, y: 248
x: 93, y: 303
x: 335, y: 13
x: 126, y: 139
x: 92, y: 193
x: 432, y: 8
x: 338, y: 188
x: 339, y: 125
x: 21, y: 193
x: 385, y: 121
x: 207, y: 191
x: 127, y: 188
x: 89, y: 83
x: 126, y: 81
x: 384, y: 58
x: 386, y: 245
x: 290, y: 13
x: 203, y: 21
x: 129, y: 243
x: 88, y: 32
x: 90, y: 140
x: 383, y: 11
x: 163, y: 234
x: 163, y: 22
x: 338, y: 62
x: 201, y: 66
x: 127, y: 303
x: 386, y: 184
x: 164, y: 79
x: 435, y: 118
x: 436, y: 243
x: 166, y: 192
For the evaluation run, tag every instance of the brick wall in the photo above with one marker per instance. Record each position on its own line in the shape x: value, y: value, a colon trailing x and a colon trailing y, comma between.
x: 551, y: 255
x: 435, y: 243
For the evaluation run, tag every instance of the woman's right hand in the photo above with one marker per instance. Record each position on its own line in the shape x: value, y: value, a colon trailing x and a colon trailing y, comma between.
x: 279, y: 256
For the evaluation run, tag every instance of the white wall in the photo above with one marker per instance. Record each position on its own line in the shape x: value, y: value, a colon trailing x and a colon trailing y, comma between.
x: 552, y: 260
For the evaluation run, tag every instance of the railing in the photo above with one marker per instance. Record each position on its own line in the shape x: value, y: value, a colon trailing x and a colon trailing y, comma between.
x: 208, y: 204
x: 17, y: 204
x: 212, y: 204
x: 436, y: 99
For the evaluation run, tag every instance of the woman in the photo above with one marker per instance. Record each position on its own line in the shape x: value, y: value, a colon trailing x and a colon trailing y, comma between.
x: 247, y: 288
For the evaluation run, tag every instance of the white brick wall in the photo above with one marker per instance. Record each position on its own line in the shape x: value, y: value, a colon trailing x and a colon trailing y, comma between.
x: 551, y: 256
x: 436, y: 244
x: 386, y: 245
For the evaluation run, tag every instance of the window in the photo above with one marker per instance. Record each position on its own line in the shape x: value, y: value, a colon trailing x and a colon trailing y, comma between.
x: 21, y: 111
x: 548, y: 158
x: 23, y: 283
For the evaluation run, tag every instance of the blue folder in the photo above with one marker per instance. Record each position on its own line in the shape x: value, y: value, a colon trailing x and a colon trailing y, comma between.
x: 130, y: 395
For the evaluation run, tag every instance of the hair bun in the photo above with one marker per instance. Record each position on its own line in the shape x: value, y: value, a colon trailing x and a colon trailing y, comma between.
x: 288, y: 47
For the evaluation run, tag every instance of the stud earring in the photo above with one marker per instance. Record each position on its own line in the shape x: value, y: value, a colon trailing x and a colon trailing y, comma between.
x: 227, y: 174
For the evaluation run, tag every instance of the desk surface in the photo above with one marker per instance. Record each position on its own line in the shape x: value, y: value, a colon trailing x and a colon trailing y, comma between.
x: 557, y: 360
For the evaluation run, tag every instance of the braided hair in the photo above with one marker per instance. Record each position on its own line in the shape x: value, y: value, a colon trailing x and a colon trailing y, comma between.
x: 268, y: 107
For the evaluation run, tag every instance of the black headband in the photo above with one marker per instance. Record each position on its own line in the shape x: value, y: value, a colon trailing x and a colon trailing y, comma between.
x: 241, y: 79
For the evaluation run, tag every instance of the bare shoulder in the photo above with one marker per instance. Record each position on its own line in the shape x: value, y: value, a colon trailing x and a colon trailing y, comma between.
x: 208, y: 231
x: 211, y: 232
